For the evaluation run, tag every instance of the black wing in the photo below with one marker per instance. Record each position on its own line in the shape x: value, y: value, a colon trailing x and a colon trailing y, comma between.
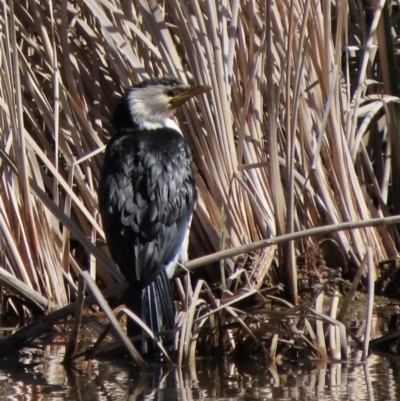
x: 147, y: 195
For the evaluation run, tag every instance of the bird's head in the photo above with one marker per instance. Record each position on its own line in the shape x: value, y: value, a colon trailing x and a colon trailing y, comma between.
x: 152, y: 102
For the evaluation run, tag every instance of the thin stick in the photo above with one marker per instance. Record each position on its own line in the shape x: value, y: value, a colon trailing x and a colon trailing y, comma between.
x: 370, y: 303
x: 73, y: 336
x: 351, y: 225
x: 334, y: 338
x: 137, y: 320
x: 90, y: 354
x: 351, y: 291
x: 110, y: 315
x: 342, y: 330
x: 320, y: 328
x: 24, y: 291
x: 18, y: 340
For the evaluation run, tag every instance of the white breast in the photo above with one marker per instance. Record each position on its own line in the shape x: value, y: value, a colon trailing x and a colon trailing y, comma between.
x: 182, y: 255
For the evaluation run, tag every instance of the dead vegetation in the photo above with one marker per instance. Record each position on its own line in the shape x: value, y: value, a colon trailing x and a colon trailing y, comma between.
x: 296, y: 144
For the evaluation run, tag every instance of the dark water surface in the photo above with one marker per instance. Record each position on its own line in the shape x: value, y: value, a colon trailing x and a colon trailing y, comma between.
x: 40, y: 375
x: 45, y: 378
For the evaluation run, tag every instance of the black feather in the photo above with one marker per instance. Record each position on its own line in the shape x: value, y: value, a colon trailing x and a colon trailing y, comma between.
x: 147, y: 195
x: 155, y: 305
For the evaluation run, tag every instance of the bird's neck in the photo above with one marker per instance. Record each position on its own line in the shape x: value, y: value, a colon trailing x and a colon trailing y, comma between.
x: 158, y: 124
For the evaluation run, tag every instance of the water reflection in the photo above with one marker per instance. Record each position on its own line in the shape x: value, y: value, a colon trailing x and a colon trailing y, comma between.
x: 41, y: 376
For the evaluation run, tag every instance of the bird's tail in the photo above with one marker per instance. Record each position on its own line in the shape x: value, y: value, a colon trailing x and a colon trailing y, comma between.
x: 155, y: 306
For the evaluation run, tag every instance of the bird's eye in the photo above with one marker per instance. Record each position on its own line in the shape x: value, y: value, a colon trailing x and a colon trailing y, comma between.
x: 172, y: 93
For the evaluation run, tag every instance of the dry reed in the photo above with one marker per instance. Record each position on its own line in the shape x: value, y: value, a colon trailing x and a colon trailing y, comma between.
x: 290, y: 138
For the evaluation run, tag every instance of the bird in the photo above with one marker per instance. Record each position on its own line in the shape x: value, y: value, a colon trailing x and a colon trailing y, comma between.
x: 147, y: 194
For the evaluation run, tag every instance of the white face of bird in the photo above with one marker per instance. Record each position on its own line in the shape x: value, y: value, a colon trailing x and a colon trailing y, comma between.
x: 153, y: 105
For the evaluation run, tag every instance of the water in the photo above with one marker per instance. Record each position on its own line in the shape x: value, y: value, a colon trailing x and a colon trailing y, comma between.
x: 43, y: 377
x: 38, y: 374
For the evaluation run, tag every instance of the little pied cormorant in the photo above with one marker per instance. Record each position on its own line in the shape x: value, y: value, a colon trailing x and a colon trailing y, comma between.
x: 147, y: 195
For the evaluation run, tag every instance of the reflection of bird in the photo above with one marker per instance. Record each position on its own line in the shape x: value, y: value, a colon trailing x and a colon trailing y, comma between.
x: 147, y: 195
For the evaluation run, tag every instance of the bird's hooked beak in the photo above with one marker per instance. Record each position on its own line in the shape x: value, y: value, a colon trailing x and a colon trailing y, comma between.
x: 186, y: 93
